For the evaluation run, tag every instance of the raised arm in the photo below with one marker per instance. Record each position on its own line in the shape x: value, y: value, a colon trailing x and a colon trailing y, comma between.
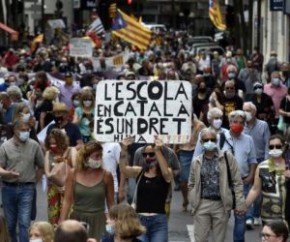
x: 126, y: 170
x: 163, y: 164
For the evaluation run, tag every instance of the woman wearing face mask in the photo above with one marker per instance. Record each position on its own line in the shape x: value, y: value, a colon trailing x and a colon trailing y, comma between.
x: 153, y: 183
x: 215, y: 119
x: 57, y: 151
x: 87, y: 189
x: 84, y: 115
x: 76, y: 101
x: 123, y: 225
x: 272, y: 181
x: 41, y: 232
x: 209, y: 192
x: 43, y: 113
x: 200, y: 102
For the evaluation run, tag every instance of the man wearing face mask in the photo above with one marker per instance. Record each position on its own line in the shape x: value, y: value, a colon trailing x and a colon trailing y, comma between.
x: 230, y: 100
x: 215, y: 120
x: 277, y: 91
x: 209, y: 193
x: 260, y: 133
x: 21, y: 167
x: 242, y: 147
x: 67, y: 90
x: 61, y: 121
x: 9, y: 81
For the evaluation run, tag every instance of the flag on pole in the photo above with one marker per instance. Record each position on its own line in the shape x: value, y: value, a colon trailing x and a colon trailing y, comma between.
x: 215, y: 15
x: 38, y: 39
x: 130, y: 30
x: 96, y: 26
x: 113, y: 10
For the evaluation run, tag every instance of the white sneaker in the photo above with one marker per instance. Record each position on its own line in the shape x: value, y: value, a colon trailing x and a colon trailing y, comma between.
x: 249, y: 223
x: 257, y: 222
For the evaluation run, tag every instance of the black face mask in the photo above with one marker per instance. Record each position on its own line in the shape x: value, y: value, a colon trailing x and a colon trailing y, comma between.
x: 285, y: 73
x: 202, y: 90
x: 58, y: 119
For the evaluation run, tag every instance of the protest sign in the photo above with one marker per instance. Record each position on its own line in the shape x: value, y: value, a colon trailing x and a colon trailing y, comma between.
x: 56, y: 23
x: 80, y: 47
x: 143, y: 109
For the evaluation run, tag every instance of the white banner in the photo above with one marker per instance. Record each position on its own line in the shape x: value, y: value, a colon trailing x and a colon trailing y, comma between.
x: 80, y: 47
x: 114, y: 61
x: 143, y: 109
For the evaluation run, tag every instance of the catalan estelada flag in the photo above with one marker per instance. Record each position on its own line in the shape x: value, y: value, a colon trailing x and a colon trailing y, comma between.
x: 38, y: 39
x: 215, y: 15
x: 131, y: 31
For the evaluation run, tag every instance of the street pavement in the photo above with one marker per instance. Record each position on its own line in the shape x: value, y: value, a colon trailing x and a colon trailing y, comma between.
x: 180, y: 223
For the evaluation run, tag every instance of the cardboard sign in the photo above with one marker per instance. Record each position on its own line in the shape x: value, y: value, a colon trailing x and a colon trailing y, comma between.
x: 80, y: 47
x: 143, y: 109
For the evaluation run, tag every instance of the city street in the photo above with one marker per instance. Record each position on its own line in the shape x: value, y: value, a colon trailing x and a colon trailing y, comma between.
x: 180, y: 223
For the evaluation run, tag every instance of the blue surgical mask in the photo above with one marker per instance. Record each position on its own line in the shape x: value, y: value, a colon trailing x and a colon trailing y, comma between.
x: 209, y: 146
x: 110, y: 229
x: 232, y: 75
x: 275, y: 81
x: 24, y: 136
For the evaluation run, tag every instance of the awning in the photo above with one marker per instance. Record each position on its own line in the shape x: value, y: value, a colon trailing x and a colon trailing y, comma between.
x: 12, y: 32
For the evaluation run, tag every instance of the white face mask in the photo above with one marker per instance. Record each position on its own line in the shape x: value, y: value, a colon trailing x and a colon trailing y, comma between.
x: 275, y: 153
x: 35, y: 240
x: 25, y: 117
x: 249, y: 116
x: 259, y: 91
x: 94, y: 164
x: 217, y: 123
x: 88, y: 103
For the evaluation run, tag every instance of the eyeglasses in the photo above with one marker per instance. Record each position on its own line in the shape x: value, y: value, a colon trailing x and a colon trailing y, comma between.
x: 266, y: 236
x: 150, y: 154
x: 271, y: 147
x: 206, y: 140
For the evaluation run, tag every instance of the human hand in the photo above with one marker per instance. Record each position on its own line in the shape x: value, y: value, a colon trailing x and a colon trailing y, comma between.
x: 158, y: 143
x: 287, y: 173
x: 11, y: 174
x: 248, y: 180
x: 240, y: 211
x: 127, y: 141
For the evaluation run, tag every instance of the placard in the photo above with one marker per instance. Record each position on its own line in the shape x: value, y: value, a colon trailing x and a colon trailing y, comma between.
x: 80, y: 47
x: 56, y: 23
x: 143, y: 109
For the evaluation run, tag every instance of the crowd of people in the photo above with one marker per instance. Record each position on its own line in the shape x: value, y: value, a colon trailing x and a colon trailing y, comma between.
x: 237, y: 157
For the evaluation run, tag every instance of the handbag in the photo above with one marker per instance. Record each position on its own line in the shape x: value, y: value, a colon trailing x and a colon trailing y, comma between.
x: 134, y: 199
x: 59, y: 173
x: 281, y: 124
x: 230, y: 181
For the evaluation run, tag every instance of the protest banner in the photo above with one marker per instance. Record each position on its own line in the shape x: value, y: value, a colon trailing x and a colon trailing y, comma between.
x: 143, y: 109
x: 80, y: 47
x: 56, y: 23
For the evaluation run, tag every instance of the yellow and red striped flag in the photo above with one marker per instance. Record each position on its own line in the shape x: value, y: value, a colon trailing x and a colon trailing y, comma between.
x: 131, y: 31
x: 215, y: 15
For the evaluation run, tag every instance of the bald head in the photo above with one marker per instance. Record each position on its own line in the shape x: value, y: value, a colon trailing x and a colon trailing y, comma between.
x: 70, y: 231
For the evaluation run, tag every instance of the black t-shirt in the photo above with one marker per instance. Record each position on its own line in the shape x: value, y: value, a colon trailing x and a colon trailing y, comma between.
x: 151, y: 194
x: 230, y: 104
x: 72, y: 131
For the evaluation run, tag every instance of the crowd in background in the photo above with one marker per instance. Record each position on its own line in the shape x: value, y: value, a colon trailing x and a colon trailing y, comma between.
x: 47, y: 101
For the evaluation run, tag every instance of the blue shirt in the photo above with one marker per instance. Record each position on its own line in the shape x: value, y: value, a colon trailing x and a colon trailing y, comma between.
x: 260, y: 134
x: 244, y: 151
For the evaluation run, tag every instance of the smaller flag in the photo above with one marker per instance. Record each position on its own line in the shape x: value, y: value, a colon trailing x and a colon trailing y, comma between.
x: 38, y: 39
x: 96, y: 26
x: 113, y: 10
x: 215, y: 15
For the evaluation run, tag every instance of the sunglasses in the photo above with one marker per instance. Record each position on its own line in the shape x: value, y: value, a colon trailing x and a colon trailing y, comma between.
x: 150, y: 154
x: 271, y: 147
x: 206, y: 140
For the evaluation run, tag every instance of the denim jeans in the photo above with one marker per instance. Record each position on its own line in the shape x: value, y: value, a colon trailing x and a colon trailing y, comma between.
x: 185, y: 158
x: 240, y: 220
x: 17, y: 205
x: 156, y: 226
